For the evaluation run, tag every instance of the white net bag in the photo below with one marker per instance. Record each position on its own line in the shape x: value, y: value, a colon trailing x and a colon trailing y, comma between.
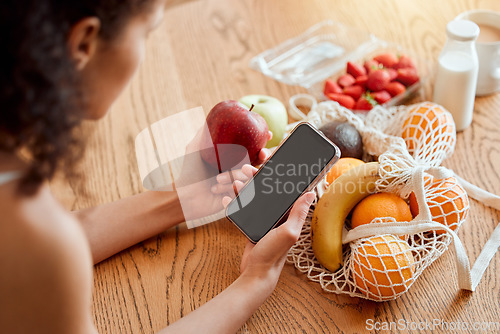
x: 382, y: 259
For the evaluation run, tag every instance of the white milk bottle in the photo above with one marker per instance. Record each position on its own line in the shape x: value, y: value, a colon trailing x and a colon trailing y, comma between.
x: 456, y: 78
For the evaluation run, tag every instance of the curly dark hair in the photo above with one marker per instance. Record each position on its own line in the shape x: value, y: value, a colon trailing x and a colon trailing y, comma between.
x: 41, y: 99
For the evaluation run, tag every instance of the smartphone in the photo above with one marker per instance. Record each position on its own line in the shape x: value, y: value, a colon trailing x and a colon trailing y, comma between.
x: 294, y: 168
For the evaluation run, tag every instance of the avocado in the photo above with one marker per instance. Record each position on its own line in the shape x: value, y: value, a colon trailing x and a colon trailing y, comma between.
x: 346, y: 137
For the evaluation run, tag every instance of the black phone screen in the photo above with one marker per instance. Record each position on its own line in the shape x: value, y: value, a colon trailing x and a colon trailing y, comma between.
x: 281, y: 180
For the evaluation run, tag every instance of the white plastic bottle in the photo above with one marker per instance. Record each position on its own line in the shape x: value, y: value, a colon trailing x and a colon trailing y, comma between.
x: 456, y: 78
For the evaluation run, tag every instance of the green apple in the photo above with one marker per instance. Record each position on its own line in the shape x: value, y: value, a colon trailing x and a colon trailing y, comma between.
x: 273, y: 111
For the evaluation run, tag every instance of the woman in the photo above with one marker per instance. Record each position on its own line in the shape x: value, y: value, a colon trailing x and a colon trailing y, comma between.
x: 65, y: 61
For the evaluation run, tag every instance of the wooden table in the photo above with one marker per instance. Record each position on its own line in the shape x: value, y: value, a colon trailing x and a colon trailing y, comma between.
x: 198, y: 57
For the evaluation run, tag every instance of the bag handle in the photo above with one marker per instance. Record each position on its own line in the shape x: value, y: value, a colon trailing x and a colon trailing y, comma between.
x: 493, y: 243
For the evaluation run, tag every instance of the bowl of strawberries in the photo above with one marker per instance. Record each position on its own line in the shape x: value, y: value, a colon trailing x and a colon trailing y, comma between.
x: 387, y: 78
x: 347, y: 65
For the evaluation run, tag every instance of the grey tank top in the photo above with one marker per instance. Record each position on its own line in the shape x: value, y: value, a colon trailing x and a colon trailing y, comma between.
x: 7, y: 177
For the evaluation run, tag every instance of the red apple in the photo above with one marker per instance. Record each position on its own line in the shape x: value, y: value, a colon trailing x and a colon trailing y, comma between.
x: 235, y: 131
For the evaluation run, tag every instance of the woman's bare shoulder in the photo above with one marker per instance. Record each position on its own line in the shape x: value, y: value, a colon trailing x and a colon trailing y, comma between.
x: 46, y: 266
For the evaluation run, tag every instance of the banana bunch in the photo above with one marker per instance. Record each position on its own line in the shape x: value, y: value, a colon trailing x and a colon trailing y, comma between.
x: 332, y: 210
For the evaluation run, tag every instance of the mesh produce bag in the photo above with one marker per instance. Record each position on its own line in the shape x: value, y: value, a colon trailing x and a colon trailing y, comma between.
x: 383, y: 259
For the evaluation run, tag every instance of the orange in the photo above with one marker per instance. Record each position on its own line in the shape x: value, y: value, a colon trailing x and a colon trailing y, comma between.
x: 447, y: 200
x: 343, y: 165
x: 380, y: 205
x: 383, y: 266
x: 426, y: 122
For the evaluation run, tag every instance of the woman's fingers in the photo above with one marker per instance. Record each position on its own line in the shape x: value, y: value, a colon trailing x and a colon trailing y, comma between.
x: 271, y: 251
x: 279, y: 240
x: 220, y: 189
x: 234, y: 189
x: 242, y: 174
x: 264, y: 154
x: 249, y: 170
x: 238, y: 185
x: 226, y: 200
x: 299, y: 211
x: 231, y: 189
x: 289, y: 232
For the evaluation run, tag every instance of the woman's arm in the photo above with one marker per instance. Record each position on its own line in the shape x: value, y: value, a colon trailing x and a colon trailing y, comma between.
x: 228, y: 311
x: 113, y: 227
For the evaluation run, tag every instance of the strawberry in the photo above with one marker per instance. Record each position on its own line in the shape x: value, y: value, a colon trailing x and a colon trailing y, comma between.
x: 346, y: 80
x: 377, y: 80
x: 331, y: 87
x: 381, y: 96
x: 407, y: 76
x: 393, y: 74
x: 344, y: 100
x: 354, y: 91
x: 363, y: 103
x: 355, y: 70
x: 361, y: 80
x: 371, y: 65
x: 395, y: 88
x: 387, y: 59
x: 404, y: 62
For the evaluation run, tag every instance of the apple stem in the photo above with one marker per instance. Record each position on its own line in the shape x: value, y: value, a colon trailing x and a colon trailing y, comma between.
x: 253, y: 105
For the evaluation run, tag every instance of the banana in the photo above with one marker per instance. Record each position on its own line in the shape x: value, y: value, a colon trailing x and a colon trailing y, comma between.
x: 332, y: 210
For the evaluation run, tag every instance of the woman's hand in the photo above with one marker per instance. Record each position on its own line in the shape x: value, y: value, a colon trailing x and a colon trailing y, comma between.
x: 230, y: 183
x: 260, y: 267
x: 201, y: 190
x: 265, y: 259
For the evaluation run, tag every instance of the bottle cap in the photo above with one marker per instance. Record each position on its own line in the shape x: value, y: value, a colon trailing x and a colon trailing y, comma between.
x: 462, y: 30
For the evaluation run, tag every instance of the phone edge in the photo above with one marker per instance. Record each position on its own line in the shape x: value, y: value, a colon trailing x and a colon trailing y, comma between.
x: 311, y: 186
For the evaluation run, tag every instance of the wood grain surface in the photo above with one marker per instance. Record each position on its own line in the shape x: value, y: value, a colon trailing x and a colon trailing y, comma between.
x: 198, y: 57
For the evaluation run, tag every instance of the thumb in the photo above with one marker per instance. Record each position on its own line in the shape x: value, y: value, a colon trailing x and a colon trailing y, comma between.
x: 299, y: 212
x: 279, y: 240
